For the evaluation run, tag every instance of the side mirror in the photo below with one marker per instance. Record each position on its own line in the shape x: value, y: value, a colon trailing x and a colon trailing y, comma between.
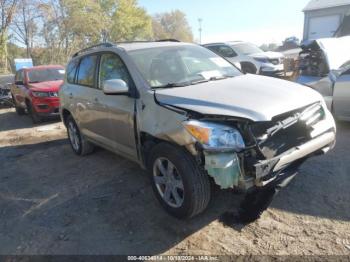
x: 115, y: 87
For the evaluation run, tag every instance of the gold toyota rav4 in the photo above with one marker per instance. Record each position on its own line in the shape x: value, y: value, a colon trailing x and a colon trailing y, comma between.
x: 189, y: 116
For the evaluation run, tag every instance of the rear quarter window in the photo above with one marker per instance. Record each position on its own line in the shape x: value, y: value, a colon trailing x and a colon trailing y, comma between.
x: 71, y: 71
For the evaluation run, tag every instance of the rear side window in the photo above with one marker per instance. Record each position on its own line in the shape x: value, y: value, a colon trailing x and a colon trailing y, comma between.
x: 71, y: 70
x: 86, y: 72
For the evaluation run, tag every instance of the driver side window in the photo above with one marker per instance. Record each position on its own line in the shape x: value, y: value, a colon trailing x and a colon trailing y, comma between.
x: 112, y: 67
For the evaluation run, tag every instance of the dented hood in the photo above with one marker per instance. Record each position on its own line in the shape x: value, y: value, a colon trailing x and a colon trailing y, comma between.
x: 336, y: 50
x: 253, y: 97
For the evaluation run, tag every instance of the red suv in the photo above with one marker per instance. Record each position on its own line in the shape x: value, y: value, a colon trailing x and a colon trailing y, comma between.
x: 36, y: 90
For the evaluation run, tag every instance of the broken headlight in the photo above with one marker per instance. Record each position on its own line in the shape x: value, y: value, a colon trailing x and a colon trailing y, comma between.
x: 215, y: 136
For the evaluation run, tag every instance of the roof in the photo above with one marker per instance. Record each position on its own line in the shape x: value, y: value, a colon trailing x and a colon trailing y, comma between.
x: 226, y: 43
x: 322, y: 4
x: 145, y: 45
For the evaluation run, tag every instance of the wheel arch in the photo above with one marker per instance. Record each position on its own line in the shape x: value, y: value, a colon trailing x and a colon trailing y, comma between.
x: 65, y: 114
x: 245, y: 64
x: 148, y: 141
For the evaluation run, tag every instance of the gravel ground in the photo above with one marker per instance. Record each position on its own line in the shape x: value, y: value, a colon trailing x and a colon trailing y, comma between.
x: 54, y: 202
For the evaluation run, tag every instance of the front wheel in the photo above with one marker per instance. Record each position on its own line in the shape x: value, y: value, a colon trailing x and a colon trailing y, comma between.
x: 33, y: 114
x: 180, y: 186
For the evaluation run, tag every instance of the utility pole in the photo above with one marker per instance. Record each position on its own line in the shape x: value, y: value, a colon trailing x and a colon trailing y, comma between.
x: 200, y: 20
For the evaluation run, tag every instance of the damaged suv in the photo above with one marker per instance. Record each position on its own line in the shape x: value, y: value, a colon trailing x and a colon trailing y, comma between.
x: 187, y: 115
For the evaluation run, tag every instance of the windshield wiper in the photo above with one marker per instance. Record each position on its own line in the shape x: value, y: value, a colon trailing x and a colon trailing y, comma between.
x: 195, y: 82
x: 214, y: 78
x: 170, y: 85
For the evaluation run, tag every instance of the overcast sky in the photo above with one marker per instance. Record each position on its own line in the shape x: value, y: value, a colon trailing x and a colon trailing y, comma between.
x: 258, y: 21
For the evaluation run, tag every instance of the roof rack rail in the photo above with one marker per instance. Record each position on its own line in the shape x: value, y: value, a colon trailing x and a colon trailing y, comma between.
x: 133, y: 41
x: 107, y: 44
x: 168, y: 40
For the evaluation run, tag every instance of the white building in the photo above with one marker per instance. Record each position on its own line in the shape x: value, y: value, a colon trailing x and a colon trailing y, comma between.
x: 324, y: 17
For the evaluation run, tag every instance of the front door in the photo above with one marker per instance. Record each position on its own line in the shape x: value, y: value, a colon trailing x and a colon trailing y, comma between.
x: 120, y: 133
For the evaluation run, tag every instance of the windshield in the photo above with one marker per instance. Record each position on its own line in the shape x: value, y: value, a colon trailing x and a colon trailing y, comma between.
x: 247, y: 48
x: 43, y: 75
x: 181, y: 65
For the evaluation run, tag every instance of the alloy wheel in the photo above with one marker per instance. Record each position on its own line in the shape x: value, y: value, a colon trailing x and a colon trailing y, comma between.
x: 168, y: 182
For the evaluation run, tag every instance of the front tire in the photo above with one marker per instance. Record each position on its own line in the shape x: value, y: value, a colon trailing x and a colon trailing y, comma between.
x: 181, y: 187
x: 33, y: 114
x: 78, y: 142
x: 248, y: 68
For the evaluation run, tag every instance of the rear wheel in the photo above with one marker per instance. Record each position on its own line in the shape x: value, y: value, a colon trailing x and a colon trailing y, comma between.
x: 19, y: 110
x: 180, y: 186
x: 78, y: 143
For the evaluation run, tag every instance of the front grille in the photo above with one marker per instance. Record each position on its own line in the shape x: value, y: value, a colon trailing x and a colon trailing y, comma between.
x: 43, y: 106
x: 287, y: 130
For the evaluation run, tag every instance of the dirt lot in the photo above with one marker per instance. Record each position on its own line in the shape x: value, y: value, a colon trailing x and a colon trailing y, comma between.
x: 53, y: 202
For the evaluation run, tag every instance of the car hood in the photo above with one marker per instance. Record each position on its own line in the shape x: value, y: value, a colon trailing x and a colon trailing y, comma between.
x: 49, y: 86
x: 336, y: 50
x: 253, y: 97
x: 268, y: 55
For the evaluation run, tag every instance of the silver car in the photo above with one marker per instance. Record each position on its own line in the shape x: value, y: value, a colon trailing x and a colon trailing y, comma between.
x: 190, y: 117
x: 325, y: 67
x: 249, y: 57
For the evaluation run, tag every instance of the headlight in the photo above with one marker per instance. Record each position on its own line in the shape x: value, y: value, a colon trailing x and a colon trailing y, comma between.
x: 261, y: 60
x: 40, y: 94
x: 215, y: 136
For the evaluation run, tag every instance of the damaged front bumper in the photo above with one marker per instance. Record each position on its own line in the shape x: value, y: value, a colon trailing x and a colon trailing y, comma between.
x: 236, y: 170
x: 267, y: 170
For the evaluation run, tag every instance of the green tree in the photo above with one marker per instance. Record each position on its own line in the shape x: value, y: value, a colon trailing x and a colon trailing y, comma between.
x: 130, y: 22
x: 172, y: 25
x: 7, y: 11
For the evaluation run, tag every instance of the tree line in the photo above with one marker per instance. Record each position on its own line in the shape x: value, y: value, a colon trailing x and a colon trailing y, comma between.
x: 50, y: 31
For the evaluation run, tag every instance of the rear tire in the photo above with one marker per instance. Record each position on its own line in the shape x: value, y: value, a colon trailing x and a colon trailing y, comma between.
x: 194, y: 194
x: 19, y: 110
x: 77, y: 141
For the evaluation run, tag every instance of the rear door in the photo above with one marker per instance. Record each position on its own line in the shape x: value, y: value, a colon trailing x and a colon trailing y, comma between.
x: 341, y: 96
x: 92, y: 115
